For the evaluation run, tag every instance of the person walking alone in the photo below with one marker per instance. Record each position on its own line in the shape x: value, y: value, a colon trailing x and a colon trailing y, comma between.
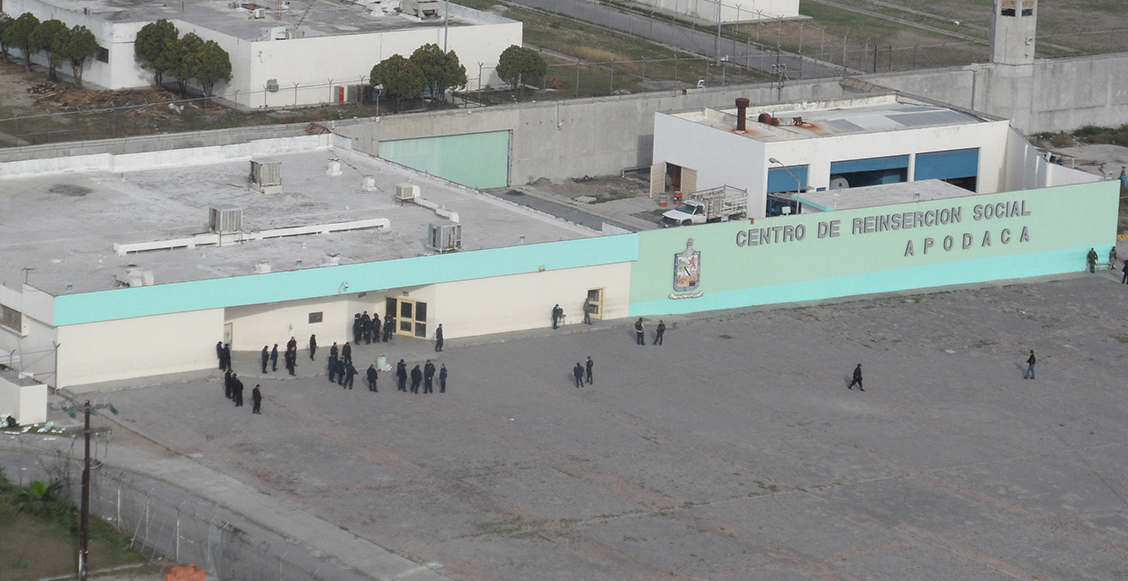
x: 265, y: 357
x: 372, y: 376
x: 442, y: 378
x: 439, y: 338
x: 1125, y: 270
x: 312, y: 346
x: 256, y: 399
x: 660, y: 331
x: 1029, y: 373
x: 857, y: 379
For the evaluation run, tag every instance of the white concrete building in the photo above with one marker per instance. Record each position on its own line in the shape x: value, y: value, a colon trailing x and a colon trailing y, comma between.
x: 775, y: 151
x: 283, y: 54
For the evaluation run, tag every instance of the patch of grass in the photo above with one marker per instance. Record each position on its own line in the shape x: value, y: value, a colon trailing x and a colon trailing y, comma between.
x: 45, y: 545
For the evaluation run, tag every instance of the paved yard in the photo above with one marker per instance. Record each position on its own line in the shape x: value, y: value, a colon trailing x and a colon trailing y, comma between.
x: 732, y: 452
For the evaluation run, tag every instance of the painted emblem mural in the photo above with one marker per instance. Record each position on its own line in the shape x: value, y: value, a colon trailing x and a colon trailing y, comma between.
x: 687, y: 272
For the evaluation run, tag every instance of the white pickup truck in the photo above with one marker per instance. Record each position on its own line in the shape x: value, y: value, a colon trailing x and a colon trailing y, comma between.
x: 712, y: 205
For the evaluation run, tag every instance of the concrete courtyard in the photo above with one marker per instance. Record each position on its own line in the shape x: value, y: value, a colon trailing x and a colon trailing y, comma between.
x: 732, y: 452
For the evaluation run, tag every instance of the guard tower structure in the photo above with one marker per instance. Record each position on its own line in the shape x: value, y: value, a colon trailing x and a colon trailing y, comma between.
x: 1013, y: 27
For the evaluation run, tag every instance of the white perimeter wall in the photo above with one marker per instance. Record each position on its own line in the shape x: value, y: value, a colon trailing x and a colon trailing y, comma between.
x: 731, y: 10
x: 724, y: 158
x: 34, y: 342
x: 139, y: 347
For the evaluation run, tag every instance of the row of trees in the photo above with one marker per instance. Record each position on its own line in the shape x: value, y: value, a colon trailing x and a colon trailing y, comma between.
x: 60, y: 44
x: 430, y: 69
x: 160, y: 48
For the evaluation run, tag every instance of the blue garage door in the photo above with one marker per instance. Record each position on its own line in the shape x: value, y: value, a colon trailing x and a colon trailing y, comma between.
x: 945, y: 165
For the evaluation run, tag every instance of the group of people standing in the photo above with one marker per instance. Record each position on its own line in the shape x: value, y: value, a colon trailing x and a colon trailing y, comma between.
x: 233, y: 390
x: 582, y: 373
x: 368, y: 328
x: 425, y: 376
x: 291, y: 357
x: 640, y: 332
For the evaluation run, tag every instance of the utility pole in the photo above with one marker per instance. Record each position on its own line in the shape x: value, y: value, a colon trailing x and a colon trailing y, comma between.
x: 84, y: 514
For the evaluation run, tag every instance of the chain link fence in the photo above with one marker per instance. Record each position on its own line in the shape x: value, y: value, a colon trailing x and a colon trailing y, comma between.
x: 167, y: 525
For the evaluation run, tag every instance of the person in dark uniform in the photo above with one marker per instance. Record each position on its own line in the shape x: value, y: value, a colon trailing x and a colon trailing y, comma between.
x: 358, y: 328
x: 365, y: 328
x: 556, y: 311
x: 416, y: 378
x: 225, y: 359
x: 256, y: 399
x: 312, y: 346
x: 372, y: 377
x: 640, y: 333
x: 578, y: 372
x: 429, y: 377
x: 219, y: 353
x: 265, y: 357
x: 346, y: 353
x: 588, y: 365
x: 1125, y: 269
x: 333, y: 351
x: 401, y: 375
x: 274, y: 358
x: 292, y: 361
x: 1029, y: 374
x: 439, y: 337
x: 350, y: 373
x: 228, y: 385
x: 661, y: 331
x: 292, y: 344
x: 587, y: 312
x: 442, y: 379
x: 332, y: 367
x: 1092, y: 259
x: 857, y: 379
x: 375, y: 327
x: 237, y: 390
x: 389, y: 326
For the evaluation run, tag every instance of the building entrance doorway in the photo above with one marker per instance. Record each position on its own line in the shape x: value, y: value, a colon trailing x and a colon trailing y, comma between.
x: 411, y: 316
x: 594, y: 303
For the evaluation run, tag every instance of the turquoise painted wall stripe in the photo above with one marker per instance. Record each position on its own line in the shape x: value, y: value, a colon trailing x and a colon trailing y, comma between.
x: 478, y: 160
x: 916, y: 278
x: 325, y: 281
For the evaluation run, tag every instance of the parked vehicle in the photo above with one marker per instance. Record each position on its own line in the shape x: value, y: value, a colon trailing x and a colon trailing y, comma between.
x: 712, y: 205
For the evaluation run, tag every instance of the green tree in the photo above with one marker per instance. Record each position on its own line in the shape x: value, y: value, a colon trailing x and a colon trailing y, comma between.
x: 37, y: 497
x: 80, y: 45
x: 48, y: 37
x: 18, y: 34
x: 5, y: 22
x: 181, y: 56
x: 210, y: 64
x: 401, y: 78
x: 152, y: 46
x: 441, y: 71
x: 518, y: 66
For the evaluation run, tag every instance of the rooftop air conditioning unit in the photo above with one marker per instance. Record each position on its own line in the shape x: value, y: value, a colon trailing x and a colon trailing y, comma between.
x: 225, y: 219
x: 267, y: 176
x: 272, y: 85
x: 445, y: 237
x: 134, y: 277
x: 406, y: 193
x: 260, y: 13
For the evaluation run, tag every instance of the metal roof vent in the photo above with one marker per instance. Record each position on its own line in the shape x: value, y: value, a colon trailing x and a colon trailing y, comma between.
x: 225, y: 219
x: 445, y: 237
x: 267, y: 176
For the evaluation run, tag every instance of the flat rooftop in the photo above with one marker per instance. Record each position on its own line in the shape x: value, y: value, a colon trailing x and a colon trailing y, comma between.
x: 63, y: 226
x: 880, y: 114
x: 305, y: 18
x: 883, y: 195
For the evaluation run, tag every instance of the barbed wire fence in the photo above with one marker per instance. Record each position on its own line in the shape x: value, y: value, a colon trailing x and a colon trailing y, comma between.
x: 166, y: 525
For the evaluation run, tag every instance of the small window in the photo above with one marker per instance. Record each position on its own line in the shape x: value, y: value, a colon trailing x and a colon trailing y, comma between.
x: 103, y: 55
x: 315, y: 317
x: 11, y: 319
